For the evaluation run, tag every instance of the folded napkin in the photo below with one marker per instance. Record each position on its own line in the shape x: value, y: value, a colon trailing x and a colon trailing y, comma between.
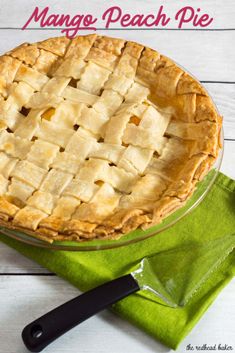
x: 213, y: 218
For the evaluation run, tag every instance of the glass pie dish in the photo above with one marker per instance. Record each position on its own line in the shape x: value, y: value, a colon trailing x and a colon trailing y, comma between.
x: 97, y: 150
x: 202, y: 189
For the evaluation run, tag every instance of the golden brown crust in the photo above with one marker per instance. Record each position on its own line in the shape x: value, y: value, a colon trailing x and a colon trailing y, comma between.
x: 45, y: 62
x: 195, y: 123
x: 109, y: 45
x: 8, y: 69
x: 80, y: 46
x: 188, y: 84
x: 26, y: 53
x: 56, y: 45
x: 165, y: 207
x: 7, y: 209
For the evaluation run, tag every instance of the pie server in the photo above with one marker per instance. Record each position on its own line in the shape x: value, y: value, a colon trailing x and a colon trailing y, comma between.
x: 173, y: 276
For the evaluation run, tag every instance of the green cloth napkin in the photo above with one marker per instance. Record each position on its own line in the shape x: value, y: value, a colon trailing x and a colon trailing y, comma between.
x: 213, y: 218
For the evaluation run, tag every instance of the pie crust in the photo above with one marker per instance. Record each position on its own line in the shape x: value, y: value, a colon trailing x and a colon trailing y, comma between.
x: 99, y: 136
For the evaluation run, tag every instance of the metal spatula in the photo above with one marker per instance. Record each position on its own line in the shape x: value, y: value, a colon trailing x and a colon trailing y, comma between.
x: 173, y: 276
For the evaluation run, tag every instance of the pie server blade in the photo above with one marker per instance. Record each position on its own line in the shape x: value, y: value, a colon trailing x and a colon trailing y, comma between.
x: 173, y: 276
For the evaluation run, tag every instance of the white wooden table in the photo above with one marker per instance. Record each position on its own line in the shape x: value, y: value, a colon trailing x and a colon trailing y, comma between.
x: 27, y: 290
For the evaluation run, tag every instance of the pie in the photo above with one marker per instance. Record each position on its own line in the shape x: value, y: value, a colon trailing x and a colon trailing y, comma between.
x: 99, y: 136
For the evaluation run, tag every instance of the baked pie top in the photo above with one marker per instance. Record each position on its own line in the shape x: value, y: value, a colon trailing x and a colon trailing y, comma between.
x: 98, y: 136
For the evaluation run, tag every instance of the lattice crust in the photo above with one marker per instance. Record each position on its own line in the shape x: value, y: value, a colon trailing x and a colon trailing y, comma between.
x: 98, y: 136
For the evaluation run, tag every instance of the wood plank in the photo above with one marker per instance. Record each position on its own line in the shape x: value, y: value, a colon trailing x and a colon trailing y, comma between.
x: 223, y: 15
x: 23, y: 299
x: 209, y: 56
x: 224, y: 97
x: 228, y: 163
x: 201, y: 53
x: 12, y: 262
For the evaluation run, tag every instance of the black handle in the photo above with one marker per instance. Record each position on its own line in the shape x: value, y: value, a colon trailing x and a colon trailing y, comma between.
x: 41, y: 332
